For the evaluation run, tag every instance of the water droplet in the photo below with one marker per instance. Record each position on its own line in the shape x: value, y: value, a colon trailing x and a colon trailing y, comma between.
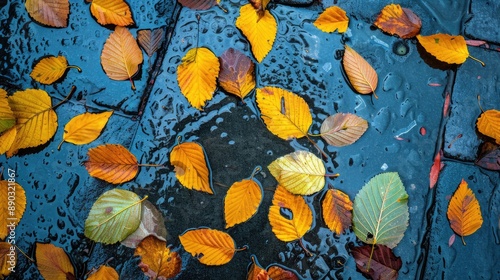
x: 400, y: 48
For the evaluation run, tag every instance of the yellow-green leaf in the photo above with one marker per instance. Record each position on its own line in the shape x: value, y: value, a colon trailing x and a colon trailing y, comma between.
x: 360, y: 73
x: 260, y: 28
x: 197, y: 76
x: 209, y: 246
x: 446, y: 48
x: 285, y: 114
x: 489, y: 124
x: 85, y: 128
x: 50, y: 69
x: 7, y: 119
x: 191, y: 167
x: 333, y: 18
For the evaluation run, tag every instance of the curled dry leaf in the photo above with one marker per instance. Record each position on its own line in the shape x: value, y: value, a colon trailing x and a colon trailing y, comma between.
x: 446, y: 48
x: 260, y: 28
x: 104, y: 273
x: 7, y: 119
x: 343, y: 129
x: 331, y: 19
x: 259, y: 5
x: 199, y: 4
x: 85, y: 128
x: 49, y: 12
x: 489, y: 157
x: 6, y: 262
x: 9, y: 217
x: 152, y: 223
x: 236, y: 73
x: 209, y: 246
x: 381, y: 264
x: 337, y: 209
x: 53, y: 262
x: 299, y: 220
x: 157, y: 260
x: 360, y: 73
x: 121, y: 55
x: 191, y: 167
x: 464, y: 211
x: 257, y: 272
x: 115, y: 12
x: 394, y: 19
x: 436, y: 168
x: 279, y: 273
x: 488, y: 124
x: 50, y: 69
x: 151, y: 40
x: 197, y: 75
x: 112, y: 163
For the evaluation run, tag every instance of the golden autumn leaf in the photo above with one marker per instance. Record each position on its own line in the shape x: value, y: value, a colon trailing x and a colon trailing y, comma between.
x: 199, y: 4
x: 157, y: 260
x: 343, y: 129
x: 446, y: 48
x: 7, y: 139
x: 488, y: 124
x: 237, y: 73
x: 121, y: 55
x: 7, y: 119
x: 285, y: 113
x: 104, y: 272
x: 300, y: 172
x: 150, y: 40
x: 12, y: 210
x: 337, y: 209
x: 49, y: 12
x: 36, y: 119
x: 256, y: 272
x: 279, y: 273
x: 53, y: 263
x: 298, y: 219
x: 331, y: 19
x: 191, y: 167
x: 394, y: 19
x: 85, y: 128
x: 50, y: 69
x: 209, y: 246
x: 197, y: 76
x: 242, y: 200
x: 464, y: 211
x: 115, y: 12
x: 360, y: 73
x: 112, y: 163
x: 8, y: 259
x: 260, y: 28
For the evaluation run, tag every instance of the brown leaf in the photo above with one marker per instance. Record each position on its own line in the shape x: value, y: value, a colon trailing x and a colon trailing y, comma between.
x: 489, y: 157
x: 199, y: 4
x: 152, y: 223
x: 236, y: 73
x: 400, y: 21
x: 337, y: 209
x: 383, y: 265
x: 112, y: 163
x: 280, y: 273
x: 343, y: 129
x: 157, y: 261
x: 360, y: 73
x: 150, y: 40
x: 53, y: 263
x: 49, y: 12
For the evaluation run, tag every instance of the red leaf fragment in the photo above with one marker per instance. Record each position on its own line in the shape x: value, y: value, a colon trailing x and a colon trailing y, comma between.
x: 451, y: 240
x: 435, y: 169
x: 477, y: 43
x: 383, y: 265
x: 446, y: 105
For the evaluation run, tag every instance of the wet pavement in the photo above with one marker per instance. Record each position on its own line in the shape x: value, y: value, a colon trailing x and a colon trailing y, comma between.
x: 412, y: 93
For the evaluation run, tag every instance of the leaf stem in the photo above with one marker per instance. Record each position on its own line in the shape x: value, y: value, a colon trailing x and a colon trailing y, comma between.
x: 60, y: 144
x: 65, y: 98
x: 314, y: 135
x: 150, y: 165
x: 24, y: 254
x: 473, y: 58
x: 317, y: 147
x: 463, y: 241
x: 257, y: 168
x: 332, y: 175
x: 304, y: 248
x: 370, y: 259
x: 245, y: 247
x: 74, y: 66
x: 479, y: 102
x: 132, y: 82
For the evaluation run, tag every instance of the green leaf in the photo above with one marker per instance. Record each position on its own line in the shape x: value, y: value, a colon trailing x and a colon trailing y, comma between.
x: 380, y: 213
x: 7, y: 119
x: 115, y: 215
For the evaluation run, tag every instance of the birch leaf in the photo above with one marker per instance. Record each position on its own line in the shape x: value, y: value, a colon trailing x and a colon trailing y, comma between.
x: 6, y: 261
x: 360, y: 73
x: 237, y: 73
x: 53, y: 263
x: 104, y: 273
x: 256, y: 272
x: 394, y: 19
x: 279, y: 273
x: 85, y: 128
x: 115, y: 12
x: 112, y: 163
x: 488, y: 124
x: 331, y: 19
x: 9, y: 216
x: 157, y: 260
x: 199, y: 4
x: 343, y: 129
x: 209, y: 246
x: 49, y: 12
x: 152, y: 223
x: 150, y: 40
x: 7, y: 138
x: 50, y: 69
x: 337, y: 209
x: 191, y: 167
x: 446, y: 48
x: 381, y: 263
x: 7, y: 118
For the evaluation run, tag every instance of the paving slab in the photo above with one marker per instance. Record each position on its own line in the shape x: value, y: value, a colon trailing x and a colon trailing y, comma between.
x: 484, y: 18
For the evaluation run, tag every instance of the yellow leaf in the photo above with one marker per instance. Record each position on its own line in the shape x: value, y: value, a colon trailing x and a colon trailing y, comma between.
x: 464, y: 211
x: 197, y: 75
x: 50, y: 69
x: 10, y: 191
x: 331, y: 19
x: 7, y: 119
x: 157, y: 261
x: 446, y: 48
x: 295, y: 224
x: 260, y: 28
x: 36, y: 120
x: 6, y: 140
x: 285, y: 114
x: 115, y: 12
x: 112, y: 163
x: 209, y: 246
x: 104, y: 273
x: 121, y: 55
x: 343, y: 129
x: 7, y: 262
x: 256, y: 272
x: 400, y: 21
x: 191, y: 167
x: 242, y: 201
x: 488, y: 124
x: 85, y: 128
x: 237, y: 73
x: 53, y: 263
x: 360, y: 73
x: 337, y: 209
x: 49, y: 12
x: 300, y: 172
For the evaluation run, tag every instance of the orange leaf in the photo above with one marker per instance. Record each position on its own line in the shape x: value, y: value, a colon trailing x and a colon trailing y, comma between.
x: 285, y: 225
x: 446, y: 48
x: 53, y: 263
x: 337, y: 209
x: 157, y: 260
x: 115, y: 12
x: 7, y: 262
x: 121, y: 55
x: 237, y: 73
x: 435, y: 169
x: 209, y: 246
x: 242, y: 201
x: 199, y: 4
x: 49, y: 12
x: 7, y: 139
x: 8, y: 217
x: 104, y: 273
x: 50, y: 69
x: 197, y: 76
x: 191, y: 167
x: 343, y: 129
x: 112, y: 163
x: 279, y: 273
x: 464, y: 211
x: 256, y: 272
x: 361, y: 74
x: 488, y: 124
x: 400, y: 21
x: 150, y: 40
x: 333, y: 18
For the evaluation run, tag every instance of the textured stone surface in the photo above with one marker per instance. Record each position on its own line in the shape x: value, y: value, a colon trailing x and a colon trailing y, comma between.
x: 484, y: 20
